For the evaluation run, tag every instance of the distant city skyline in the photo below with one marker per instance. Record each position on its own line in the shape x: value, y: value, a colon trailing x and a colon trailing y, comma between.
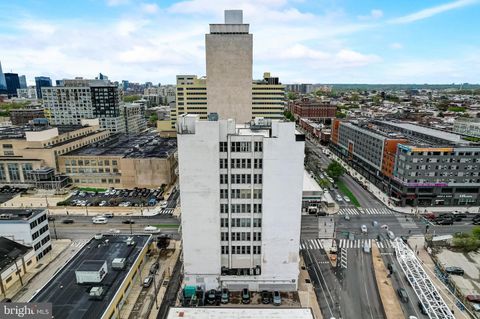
x: 299, y: 40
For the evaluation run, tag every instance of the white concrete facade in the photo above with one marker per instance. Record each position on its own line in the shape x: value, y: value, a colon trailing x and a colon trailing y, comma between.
x: 232, y: 237
x: 229, y: 52
x: 32, y: 231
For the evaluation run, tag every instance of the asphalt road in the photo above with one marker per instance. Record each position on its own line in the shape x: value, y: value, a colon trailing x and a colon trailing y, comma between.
x: 359, y: 297
x: 83, y: 228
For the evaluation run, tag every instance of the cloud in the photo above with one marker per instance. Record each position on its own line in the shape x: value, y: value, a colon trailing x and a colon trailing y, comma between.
x: 149, y: 8
x: 430, y: 12
x: 114, y: 3
x: 396, y: 46
x: 374, y: 14
x: 348, y: 57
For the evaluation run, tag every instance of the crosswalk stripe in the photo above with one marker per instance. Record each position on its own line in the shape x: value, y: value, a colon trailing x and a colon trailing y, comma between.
x: 319, y: 243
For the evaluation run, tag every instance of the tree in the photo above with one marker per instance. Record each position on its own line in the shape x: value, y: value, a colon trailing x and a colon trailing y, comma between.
x: 335, y: 170
x: 340, y: 115
x: 288, y: 115
x: 131, y: 98
x: 153, y: 118
x: 292, y: 95
x: 476, y: 232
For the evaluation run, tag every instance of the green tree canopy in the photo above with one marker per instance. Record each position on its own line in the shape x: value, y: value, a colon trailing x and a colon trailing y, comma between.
x: 335, y: 170
x: 131, y: 98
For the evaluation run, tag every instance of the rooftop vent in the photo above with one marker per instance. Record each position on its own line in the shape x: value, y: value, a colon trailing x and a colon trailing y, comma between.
x: 5, y: 216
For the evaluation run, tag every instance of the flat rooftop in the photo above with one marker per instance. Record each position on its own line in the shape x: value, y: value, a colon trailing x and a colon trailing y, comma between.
x: 450, y: 137
x: 309, y: 183
x: 240, y: 313
x: 18, y: 132
x: 129, y: 146
x: 18, y: 214
x: 71, y: 300
x: 9, y: 251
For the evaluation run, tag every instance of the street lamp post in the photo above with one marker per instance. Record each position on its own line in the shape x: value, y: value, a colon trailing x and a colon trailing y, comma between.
x: 54, y: 229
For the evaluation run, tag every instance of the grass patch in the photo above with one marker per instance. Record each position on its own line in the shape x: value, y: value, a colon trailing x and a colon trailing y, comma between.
x: 166, y: 226
x: 344, y: 189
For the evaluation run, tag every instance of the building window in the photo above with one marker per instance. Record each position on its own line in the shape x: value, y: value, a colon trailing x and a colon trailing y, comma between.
x: 13, y: 172
x: 257, y: 163
x: 240, y: 147
x: 3, y: 176
x: 258, y: 147
x: 223, y: 147
x: 223, y: 178
x: 257, y: 178
x: 26, y: 169
x: 223, y: 163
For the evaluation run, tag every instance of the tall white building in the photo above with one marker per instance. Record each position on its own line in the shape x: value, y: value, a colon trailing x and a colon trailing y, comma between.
x: 229, y: 50
x: 241, y: 190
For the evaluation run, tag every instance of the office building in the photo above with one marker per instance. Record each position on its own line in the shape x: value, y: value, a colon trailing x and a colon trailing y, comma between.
x: 40, y: 82
x: 3, y: 83
x: 88, y: 99
x: 229, y: 52
x: 82, y: 289
x: 24, y: 116
x: 268, y: 97
x: 13, y: 83
x: 313, y: 109
x: 300, y: 88
x: 28, y: 227
x: 23, y: 81
x: 241, y: 189
x: 122, y: 161
x: 467, y: 126
x: 30, y: 153
x: 27, y: 93
x: 15, y: 261
x: 133, y: 115
x: 414, y: 165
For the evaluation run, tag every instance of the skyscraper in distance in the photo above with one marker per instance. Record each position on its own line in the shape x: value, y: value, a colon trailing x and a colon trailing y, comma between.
x: 13, y: 83
x: 42, y: 81
x: 3, y: 83
x: 23, y: 81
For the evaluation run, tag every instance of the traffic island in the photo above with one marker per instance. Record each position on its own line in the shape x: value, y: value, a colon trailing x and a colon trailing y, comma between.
x: 390, y: 302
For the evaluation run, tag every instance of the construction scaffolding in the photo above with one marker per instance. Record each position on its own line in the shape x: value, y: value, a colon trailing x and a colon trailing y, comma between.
x: 422, y: 285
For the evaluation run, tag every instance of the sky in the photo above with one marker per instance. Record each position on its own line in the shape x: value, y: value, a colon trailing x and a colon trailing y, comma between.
x: 300, y: 41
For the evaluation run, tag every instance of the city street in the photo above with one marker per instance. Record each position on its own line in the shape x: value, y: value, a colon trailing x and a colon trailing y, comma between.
x: 83, y: 228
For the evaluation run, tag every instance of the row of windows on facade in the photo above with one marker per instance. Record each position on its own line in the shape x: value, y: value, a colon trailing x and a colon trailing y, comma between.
x: 241, y: 208
x: 42, y: 242
x: 241, y: 250
x: 14, y: 172
x: 44, y: 252
x: 241, y: 222
x: 38, y: 221
x: 39, y: 232
x: 241, y: 236
x: 90, y: 162
x: 241, y: 178
x: 96, y: 181
x: 445, y: 160
x: 241, y: 193
x: 241, y: 163
x: 241, y: 146
x: 19, y: 273
x: 80, y: 170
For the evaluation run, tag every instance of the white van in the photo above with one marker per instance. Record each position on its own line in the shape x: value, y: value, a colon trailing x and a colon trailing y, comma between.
x: 364, y: 229
x: 151, y: 230
x: 391, y: 235
x: 99, y: 220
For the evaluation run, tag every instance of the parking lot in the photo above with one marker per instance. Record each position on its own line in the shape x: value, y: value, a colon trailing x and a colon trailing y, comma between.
x: 7, y: 193
x: 136, y: 197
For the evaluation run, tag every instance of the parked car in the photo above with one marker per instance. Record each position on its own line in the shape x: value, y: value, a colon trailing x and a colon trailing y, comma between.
x: 277, y: 299
x: 211, y: 297
x: 347, y: 217
x: 225, y: 296
x: 473, y: 298
x: 402, y: 293
x: 99, y: 220
x: 422, y: 308
x: 154, y: 268
x: 266, y: 297
x: 103, y: 203
x: 391, y: 235
x: 68, y: 221
x: 108, y: 215
x: 147, y: 282
x: 246, y: 296
x: 163, y: 204
x: 445, y: 221
x: 453, y: 270
x: 346, y: 199
x: 128, y: 221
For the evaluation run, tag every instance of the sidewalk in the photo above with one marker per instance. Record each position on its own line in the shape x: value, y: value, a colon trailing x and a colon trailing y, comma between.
x: 429, y: 267
x: 390, y: 302
x: 306, y: 293
x: 385, y: 199
x: 45, y: 270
